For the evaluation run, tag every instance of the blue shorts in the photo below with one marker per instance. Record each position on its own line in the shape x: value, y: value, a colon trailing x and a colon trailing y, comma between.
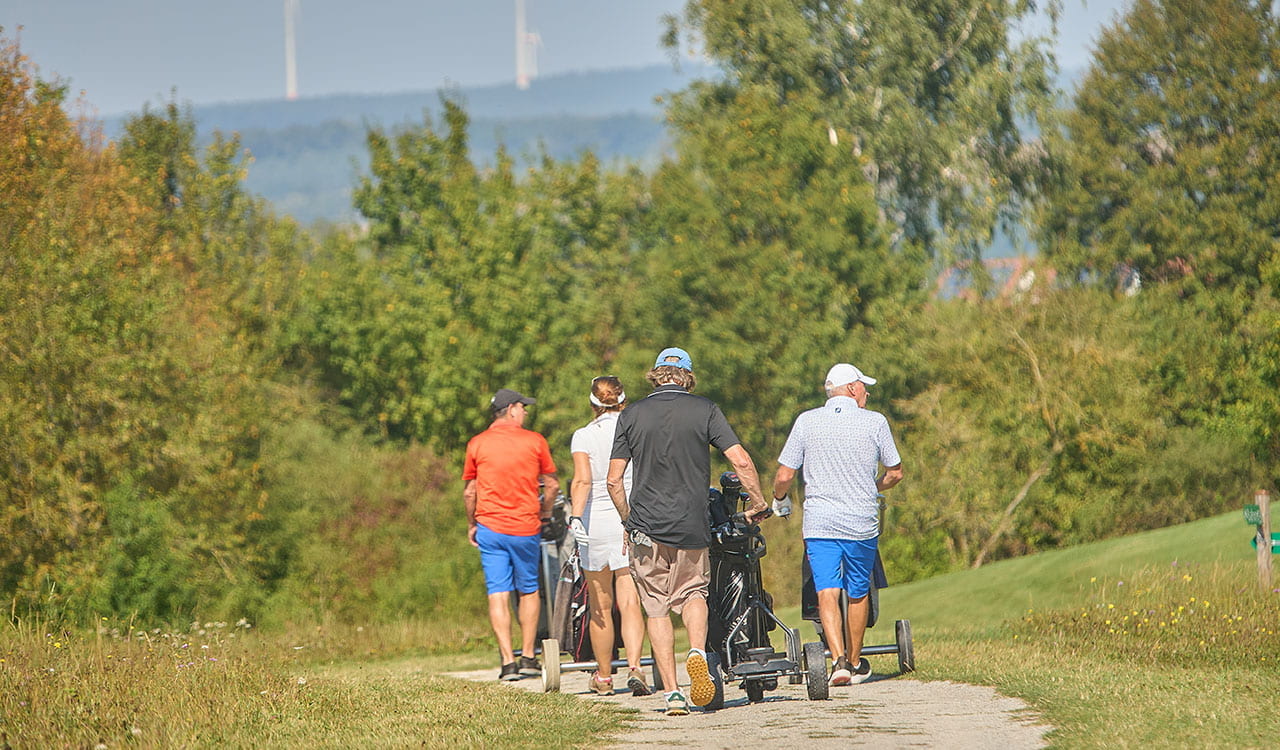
x: 510, y: 563
x: 842, y: 564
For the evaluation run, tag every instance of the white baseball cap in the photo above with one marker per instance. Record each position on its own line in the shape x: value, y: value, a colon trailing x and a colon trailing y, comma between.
x: 844, y: 374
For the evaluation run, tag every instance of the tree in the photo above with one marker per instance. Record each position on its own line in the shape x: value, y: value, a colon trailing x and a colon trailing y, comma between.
x: 472, y: 280
x: 1056, y: 418
x: 1169, y: 153
x: 766, y: 252
x: 935, y: 95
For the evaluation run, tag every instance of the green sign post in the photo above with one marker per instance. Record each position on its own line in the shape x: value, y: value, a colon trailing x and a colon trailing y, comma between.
x: 1275, y: 543
x: 1253, y: 515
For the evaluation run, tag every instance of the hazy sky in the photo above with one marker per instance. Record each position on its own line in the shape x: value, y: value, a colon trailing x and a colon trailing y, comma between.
x: 123, y: 53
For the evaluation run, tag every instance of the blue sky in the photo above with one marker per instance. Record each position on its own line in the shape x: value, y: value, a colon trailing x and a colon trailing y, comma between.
x: 123, y: 53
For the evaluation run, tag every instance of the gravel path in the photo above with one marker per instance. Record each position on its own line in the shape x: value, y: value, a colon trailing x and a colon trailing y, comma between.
x: 884, y: 712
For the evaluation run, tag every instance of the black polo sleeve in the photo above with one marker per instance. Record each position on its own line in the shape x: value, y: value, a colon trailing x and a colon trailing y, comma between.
x: 622, y: 436
x: 719, y: 433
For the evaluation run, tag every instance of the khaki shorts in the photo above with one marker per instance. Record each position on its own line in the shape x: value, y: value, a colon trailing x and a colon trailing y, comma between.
x: 667, y: 577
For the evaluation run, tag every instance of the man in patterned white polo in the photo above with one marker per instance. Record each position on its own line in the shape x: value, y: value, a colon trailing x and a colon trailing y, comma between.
x: 841, y: 446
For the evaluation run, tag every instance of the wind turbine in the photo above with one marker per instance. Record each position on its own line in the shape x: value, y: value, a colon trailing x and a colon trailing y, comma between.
x: 290, y: 49
x: 527, y: 43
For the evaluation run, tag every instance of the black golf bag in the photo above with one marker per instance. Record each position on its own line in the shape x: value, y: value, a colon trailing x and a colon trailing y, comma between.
x: 735, y: 554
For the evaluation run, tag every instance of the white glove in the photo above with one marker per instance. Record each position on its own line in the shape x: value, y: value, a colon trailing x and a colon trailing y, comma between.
x: 579, y: 531
x: 782, y: 506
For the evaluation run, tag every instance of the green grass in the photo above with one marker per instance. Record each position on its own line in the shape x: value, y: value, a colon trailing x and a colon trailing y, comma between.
x: 1161, y: 639
x: 217, y: 685
x: 1065, y: 631
x: 1004, y: 590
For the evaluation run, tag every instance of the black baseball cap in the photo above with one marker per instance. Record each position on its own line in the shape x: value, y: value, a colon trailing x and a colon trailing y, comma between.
x: 506, y: 397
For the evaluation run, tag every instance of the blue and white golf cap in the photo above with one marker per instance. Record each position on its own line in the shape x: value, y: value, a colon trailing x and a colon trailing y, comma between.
x: 674, y: 356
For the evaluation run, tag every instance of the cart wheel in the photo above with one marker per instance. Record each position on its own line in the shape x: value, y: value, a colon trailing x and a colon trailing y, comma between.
x: 717, y: 679
x: 755, y: 690
x: 906, y: 651
x: 551, y: 666
x: 815, y: 667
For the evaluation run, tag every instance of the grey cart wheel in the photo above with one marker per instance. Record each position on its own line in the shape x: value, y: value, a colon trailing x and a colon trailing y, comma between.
x: 755, y: 690
x: 551, y: 666
x: 906, y: 651
x: 717, y: 678
x: 815, y: 667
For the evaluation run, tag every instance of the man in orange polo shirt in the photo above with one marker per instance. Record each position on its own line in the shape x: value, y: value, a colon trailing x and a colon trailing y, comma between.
x: 503, y: 467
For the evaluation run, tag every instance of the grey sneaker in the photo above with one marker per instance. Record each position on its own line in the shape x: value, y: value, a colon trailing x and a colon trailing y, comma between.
x: 635, y: 681
x: 509, y: 672
x: 530, y: 666
x: 676, y: 704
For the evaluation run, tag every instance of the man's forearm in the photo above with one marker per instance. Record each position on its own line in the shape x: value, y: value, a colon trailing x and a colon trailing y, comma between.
x: 613, y: 482
x: 782, y: 480
x: 550, y: 489
x: 619, y: 497
x: 890, y: 478
x: 746, y: 469
x: 469, y: 500
x: 751, y: 483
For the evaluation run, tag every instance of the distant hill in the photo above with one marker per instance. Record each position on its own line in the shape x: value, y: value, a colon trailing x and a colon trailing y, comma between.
x: 308, y: 153
x: 308, y: 171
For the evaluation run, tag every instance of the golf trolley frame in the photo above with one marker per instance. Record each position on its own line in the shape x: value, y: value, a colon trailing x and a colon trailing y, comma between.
x: 566, y: 617
x: 740, y: 612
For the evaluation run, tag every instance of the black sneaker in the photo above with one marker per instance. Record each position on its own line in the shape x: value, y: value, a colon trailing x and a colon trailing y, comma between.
x: 841, y: 673
x: 530, y: 666
x: 862, y: 671
x: 509, y: 672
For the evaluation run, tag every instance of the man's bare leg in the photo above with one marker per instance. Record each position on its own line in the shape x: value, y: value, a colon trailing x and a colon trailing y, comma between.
x: 857, y: 623
x: 530, y: 608
x: 500, y: 619
x: 832, y: 627
x: 663, y: 640
x: 694, y: 614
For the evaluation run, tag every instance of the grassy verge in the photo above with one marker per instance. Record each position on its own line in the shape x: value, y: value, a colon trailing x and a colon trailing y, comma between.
x: 1161, y: 639
x: 223, y: 686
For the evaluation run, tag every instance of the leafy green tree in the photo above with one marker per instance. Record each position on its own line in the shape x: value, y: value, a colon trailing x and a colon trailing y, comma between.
x: 1057, y: 418
x: 935, y: 98
x: 766, y: 254
x: 1169, y: 153
x: 469, y: 281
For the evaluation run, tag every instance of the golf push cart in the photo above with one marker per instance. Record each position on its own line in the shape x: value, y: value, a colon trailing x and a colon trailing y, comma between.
x: 902, y: 645
x: 740, y: 611
x: 566, y: 615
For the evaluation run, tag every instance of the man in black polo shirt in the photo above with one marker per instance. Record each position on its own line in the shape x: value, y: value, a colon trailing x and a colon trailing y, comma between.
x: 666, y: 435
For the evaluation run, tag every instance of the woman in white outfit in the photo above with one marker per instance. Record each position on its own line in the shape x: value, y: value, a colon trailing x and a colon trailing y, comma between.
x: 598, y: 529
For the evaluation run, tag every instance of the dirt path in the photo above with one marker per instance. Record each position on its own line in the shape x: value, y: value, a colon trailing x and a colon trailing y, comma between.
x: 884, y: 712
